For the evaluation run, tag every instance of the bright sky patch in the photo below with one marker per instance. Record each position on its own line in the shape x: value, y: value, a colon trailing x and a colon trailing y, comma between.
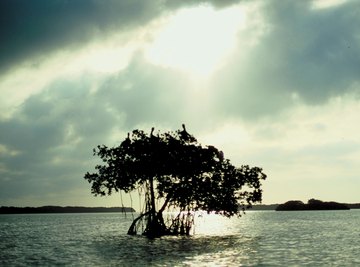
x: 195, y: 40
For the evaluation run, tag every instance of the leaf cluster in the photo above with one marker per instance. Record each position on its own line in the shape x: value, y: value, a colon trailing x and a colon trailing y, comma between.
x: 187, y: 175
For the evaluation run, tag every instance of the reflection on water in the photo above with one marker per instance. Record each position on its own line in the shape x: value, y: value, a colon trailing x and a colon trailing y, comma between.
x: 217, y: 241
x: 256, y: 239
x: 173, y: 251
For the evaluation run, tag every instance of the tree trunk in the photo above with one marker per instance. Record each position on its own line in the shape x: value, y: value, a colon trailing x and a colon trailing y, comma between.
x: 155, y: 224
x: 152, y: 199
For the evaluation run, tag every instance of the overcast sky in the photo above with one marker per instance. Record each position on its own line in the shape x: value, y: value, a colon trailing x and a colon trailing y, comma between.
x: 274, y: 84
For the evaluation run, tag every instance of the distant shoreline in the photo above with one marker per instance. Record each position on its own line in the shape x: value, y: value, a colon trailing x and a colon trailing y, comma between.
x: 302, y: 206
x: 80, y: 209
x: 59, y: 209
x: 275, y: 206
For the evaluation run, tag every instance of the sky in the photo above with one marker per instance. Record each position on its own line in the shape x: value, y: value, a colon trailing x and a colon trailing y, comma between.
x: 274, y: 84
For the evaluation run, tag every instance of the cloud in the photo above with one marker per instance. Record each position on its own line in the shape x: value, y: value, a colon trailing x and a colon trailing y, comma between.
x: 47, y: 40
x: 53, y: 133
x: 34, y: 29
x: 172, y: 4
x: 316, y: 51
x: 308, y: 151
x: 286, y: 96
x: 289, y: 53
x: 145, y: 93
x: 46, y: 144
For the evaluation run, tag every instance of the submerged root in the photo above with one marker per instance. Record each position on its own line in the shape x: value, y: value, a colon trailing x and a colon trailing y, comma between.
x: 156, y: 227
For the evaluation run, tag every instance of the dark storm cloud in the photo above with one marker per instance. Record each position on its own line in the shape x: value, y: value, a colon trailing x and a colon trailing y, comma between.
x: 33, y: 28
x: 304, y: 53
x: 318, y: 50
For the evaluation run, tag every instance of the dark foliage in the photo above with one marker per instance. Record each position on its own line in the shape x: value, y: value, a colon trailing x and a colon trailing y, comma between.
x: 313, y: 204
x: 176, y: 169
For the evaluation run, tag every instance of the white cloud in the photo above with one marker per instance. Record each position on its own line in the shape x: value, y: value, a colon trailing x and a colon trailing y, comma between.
x: 323, y: 4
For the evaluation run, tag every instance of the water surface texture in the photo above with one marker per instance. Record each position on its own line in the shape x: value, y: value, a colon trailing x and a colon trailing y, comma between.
x: 260, y: 238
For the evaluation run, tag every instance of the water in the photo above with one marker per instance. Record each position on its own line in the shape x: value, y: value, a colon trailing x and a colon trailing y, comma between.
x: 260, y: 238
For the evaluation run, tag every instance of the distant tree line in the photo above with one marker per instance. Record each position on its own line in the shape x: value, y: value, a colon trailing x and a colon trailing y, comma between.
x: 297, y: 204
x: 312, y: 204
x: 58, y: 209
x: 354, y: 206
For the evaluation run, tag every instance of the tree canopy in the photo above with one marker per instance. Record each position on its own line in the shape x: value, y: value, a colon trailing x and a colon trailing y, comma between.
x: 174, y: 168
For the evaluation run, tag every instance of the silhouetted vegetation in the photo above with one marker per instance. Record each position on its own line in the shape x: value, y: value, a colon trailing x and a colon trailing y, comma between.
x: 313, y: 204
x: 274, y: 206
x: 173, y: 172
x: 264, y: 207
x: 58, y: 209
x: 353, y: 205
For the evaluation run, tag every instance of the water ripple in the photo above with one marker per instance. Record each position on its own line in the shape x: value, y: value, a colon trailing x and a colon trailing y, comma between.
x: 257, y: 239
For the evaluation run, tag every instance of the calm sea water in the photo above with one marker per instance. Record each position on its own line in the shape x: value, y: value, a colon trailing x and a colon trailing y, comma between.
x: 259, y: 238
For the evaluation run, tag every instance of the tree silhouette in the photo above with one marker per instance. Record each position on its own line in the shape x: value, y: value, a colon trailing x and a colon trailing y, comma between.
x: 174, y: 172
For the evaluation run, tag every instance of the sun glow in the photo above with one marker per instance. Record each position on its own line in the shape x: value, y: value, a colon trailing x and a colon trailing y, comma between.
x: 196, y: 40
